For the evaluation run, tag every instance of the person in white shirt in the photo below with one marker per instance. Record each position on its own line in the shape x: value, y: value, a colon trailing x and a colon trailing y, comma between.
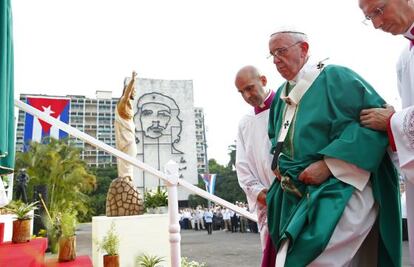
x: 397, y: 17
x: 208, y: 217
x: 199, y: 214
x: 226, y: 217
x: 253, y: 158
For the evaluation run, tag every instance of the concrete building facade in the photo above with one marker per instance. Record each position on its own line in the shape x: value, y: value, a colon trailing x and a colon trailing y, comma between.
x: 178, y: 132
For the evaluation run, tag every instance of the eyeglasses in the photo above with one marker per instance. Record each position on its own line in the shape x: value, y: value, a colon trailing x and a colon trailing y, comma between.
x: 282, y: 51
x: 377, y: 12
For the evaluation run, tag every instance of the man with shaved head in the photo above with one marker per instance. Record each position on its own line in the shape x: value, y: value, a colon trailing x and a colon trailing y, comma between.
x: 397, y: 17
x: 253, y: 157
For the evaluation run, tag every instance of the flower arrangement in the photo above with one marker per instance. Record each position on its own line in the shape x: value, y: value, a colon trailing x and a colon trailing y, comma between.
x: 155, y: 198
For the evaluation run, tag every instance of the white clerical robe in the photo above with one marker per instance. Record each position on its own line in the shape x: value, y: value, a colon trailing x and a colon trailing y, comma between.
x: 402, y: 127
x: 402, y: 122
x: 253, y: 163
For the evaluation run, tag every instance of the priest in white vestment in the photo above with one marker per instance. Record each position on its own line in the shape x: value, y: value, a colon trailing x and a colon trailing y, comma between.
x: 397, y: 18
x: 253, y: 158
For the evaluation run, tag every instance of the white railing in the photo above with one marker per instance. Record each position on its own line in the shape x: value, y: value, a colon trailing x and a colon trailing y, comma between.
x: 171, y: 177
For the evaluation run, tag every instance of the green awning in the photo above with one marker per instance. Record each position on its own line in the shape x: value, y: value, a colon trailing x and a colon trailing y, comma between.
x: 6, y: 89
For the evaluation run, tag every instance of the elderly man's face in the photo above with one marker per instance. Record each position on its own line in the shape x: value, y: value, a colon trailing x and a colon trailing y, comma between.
x: 289, y: 56
x: 154, y: 119
x: 387, y: 15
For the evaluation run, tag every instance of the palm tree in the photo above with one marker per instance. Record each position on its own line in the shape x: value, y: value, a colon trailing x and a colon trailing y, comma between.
x: 58, y: 166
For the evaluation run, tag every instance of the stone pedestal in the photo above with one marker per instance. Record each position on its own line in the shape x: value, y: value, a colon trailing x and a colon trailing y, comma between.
x: 123, y: 198
x: 138, y: 234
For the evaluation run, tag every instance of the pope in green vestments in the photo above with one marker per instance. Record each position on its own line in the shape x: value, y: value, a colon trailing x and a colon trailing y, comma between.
x: 326, y: 124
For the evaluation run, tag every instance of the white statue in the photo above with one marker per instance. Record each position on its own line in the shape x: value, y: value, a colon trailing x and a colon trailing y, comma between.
x: 123, y: 198
x: 125, y: 128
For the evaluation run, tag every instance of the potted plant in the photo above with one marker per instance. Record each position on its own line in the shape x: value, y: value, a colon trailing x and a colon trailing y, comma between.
x: 156, y: 201
x: 21, y: 226
x: 145, y: 260
x: 67, y: 240
x: 54, y: 230
x: 110, y: 245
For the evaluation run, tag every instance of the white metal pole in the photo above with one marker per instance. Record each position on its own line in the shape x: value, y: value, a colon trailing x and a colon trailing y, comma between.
x: 171, y: 170
x: 119, y: 154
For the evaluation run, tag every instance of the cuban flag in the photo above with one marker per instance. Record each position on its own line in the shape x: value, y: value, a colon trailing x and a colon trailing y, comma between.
x: 36, y: 129
x: 210, y: 181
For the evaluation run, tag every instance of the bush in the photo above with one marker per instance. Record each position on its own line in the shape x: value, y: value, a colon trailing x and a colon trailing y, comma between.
x: 155, y: 198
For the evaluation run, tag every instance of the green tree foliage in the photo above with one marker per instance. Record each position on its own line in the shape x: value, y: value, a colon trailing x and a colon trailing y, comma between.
x: 195, y: 200
x: 59, y: 166
x: 104, y: 177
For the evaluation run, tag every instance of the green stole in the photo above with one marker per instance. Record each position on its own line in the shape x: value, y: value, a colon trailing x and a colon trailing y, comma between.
x: 327, y: 124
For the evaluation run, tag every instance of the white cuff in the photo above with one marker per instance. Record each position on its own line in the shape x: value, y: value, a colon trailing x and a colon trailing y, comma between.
x: 404, y: 140
x: 348, y: 173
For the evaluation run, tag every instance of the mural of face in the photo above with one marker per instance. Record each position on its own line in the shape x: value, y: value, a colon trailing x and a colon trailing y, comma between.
x: 154, y: 119
x: 157, y: 121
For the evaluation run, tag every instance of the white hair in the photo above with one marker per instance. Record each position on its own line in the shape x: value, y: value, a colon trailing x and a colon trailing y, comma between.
x: 296, y: 33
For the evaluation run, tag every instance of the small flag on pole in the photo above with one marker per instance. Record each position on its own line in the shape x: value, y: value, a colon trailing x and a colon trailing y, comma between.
x: 210, y: 181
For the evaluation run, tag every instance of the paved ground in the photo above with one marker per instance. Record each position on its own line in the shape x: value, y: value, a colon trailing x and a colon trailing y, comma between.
x: 219, y: 249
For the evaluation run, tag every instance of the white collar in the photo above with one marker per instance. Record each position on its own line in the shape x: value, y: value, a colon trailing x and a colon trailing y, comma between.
x: 410, y: 33
x: 306, y: 67
x: 264, y: 101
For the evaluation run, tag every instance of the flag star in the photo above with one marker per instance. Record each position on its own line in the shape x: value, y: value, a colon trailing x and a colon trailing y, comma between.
x: 48, y: 110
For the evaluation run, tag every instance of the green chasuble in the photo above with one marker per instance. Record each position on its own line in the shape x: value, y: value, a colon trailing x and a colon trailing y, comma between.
x: 327, y: 124
x: 6, y: 90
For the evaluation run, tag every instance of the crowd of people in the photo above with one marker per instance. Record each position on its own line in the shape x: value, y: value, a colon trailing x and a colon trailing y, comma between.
x: 216, y: 218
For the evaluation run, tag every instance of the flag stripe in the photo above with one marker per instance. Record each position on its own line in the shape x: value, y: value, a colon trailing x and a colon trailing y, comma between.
x: 64, y: 116
x: 54, y: 131
x: 28, y: 131
x: 36, y: 130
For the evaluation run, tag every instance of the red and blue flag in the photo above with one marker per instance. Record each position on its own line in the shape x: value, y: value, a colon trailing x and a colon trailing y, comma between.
x: 36, y: 129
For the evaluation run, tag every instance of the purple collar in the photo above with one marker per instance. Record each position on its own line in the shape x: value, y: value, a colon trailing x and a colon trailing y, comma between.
x: 268, y: 101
